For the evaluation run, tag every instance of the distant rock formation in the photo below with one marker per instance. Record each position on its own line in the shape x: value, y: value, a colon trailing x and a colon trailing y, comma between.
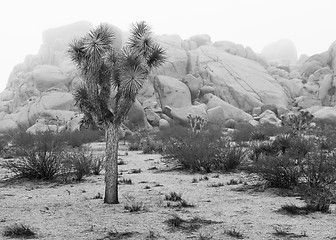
x: 282, y: 52
x: 220, y: 82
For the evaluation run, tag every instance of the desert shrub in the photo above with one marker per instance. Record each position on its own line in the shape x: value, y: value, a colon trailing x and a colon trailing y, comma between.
x: 228, y: 158
x: 40, y: 156
x: 81, y: 162
x: 279, y: 171
x: 192, y: 150
x: 258, y: 149
x: 204, y: 150
x: 134, y: 141
x: 243, y: 132
x: 97, y: 164
x: 78, y: 138
x: 318, y: 199
x: 4, y: 140
x: 18, y: 231
x: 270, y: 130
x: 151, y: 145
x: 283, y: 142
x: 319, y: 169
x: 144, y: 140
x: 246, y: 132
x: 299, y: 122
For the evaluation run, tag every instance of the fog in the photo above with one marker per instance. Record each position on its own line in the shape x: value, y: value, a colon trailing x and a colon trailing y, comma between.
x: 309, y: 24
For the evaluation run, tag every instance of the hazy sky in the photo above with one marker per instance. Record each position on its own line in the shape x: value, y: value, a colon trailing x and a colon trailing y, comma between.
x: 255, y: 23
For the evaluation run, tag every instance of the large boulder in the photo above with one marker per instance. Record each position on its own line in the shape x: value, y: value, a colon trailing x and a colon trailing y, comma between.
x: 201, y: 39
x: 194, y: 84
x: 229, y: 111
x: 176, y: 63
x: 216, y: 115
x: 47, y: 76
x: 283, y: 52
x: 326, y: 115
x: 180, y: 115
x: 7, y: 125
x: 136, y: 116
x: 269, y: 117
x: 172, y: 92
x: 242, y: 83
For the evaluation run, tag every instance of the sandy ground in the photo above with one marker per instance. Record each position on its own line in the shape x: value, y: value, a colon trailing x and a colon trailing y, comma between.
x: 69, y: 211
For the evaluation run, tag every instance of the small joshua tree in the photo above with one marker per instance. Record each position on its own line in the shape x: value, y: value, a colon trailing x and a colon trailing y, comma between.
x: 112, y: 77
x: 196, y: 123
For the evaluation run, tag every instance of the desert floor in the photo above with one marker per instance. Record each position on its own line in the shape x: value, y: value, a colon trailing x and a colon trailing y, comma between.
x: 71, y: 211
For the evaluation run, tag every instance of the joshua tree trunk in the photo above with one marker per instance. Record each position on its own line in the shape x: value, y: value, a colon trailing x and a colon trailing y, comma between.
x: 111, y: 164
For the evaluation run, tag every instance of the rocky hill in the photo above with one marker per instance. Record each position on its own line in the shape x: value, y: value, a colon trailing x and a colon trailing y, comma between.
x: 218, y: 81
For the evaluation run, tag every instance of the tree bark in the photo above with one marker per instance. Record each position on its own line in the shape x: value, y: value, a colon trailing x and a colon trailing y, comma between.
x: 111, y: 164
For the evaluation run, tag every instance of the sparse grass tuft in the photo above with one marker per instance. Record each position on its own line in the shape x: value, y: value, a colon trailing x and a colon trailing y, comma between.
x: 293, y: 209
x: 204, y: 236
x: 173, y: 196
x: 98, y: 196
x: 18, y: 231
x: 121, y: 161
x: 115, y: 235
x: 134, y: 171
x: 234, y: 182
x: 204, y: 178
x: 216, y: 185
x: 175, y: 221
x: 194, y: 180
x: 134, y: 206
x: 234, y: 233
x: 97, y: 164
x: 151, y: 235
x: 126, y: 181
x: 185, y: 204
x: 284, y: 232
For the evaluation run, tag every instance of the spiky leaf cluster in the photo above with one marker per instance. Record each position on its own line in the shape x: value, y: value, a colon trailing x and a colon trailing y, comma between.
x: 105, y: 68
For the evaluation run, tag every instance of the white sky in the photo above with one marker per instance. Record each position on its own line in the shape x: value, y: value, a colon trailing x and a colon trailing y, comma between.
x: 255, y: 23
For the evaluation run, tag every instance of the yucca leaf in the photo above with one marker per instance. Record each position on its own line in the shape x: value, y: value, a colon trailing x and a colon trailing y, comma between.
x: 156, y: 56
x: 82, y: 99
x: 141, y: 38
x: 96, y: 44
x: 132, y: 80
x: 76, y: 52
x: 131, y: 58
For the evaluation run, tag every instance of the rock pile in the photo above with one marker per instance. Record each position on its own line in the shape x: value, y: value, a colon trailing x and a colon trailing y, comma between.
x: 220, y: 81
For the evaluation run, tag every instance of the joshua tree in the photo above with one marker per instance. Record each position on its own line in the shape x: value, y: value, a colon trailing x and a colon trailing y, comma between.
x: 111, y: 80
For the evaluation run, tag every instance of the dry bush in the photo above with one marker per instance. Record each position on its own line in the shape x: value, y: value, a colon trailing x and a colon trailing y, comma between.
x: 40, y: 156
